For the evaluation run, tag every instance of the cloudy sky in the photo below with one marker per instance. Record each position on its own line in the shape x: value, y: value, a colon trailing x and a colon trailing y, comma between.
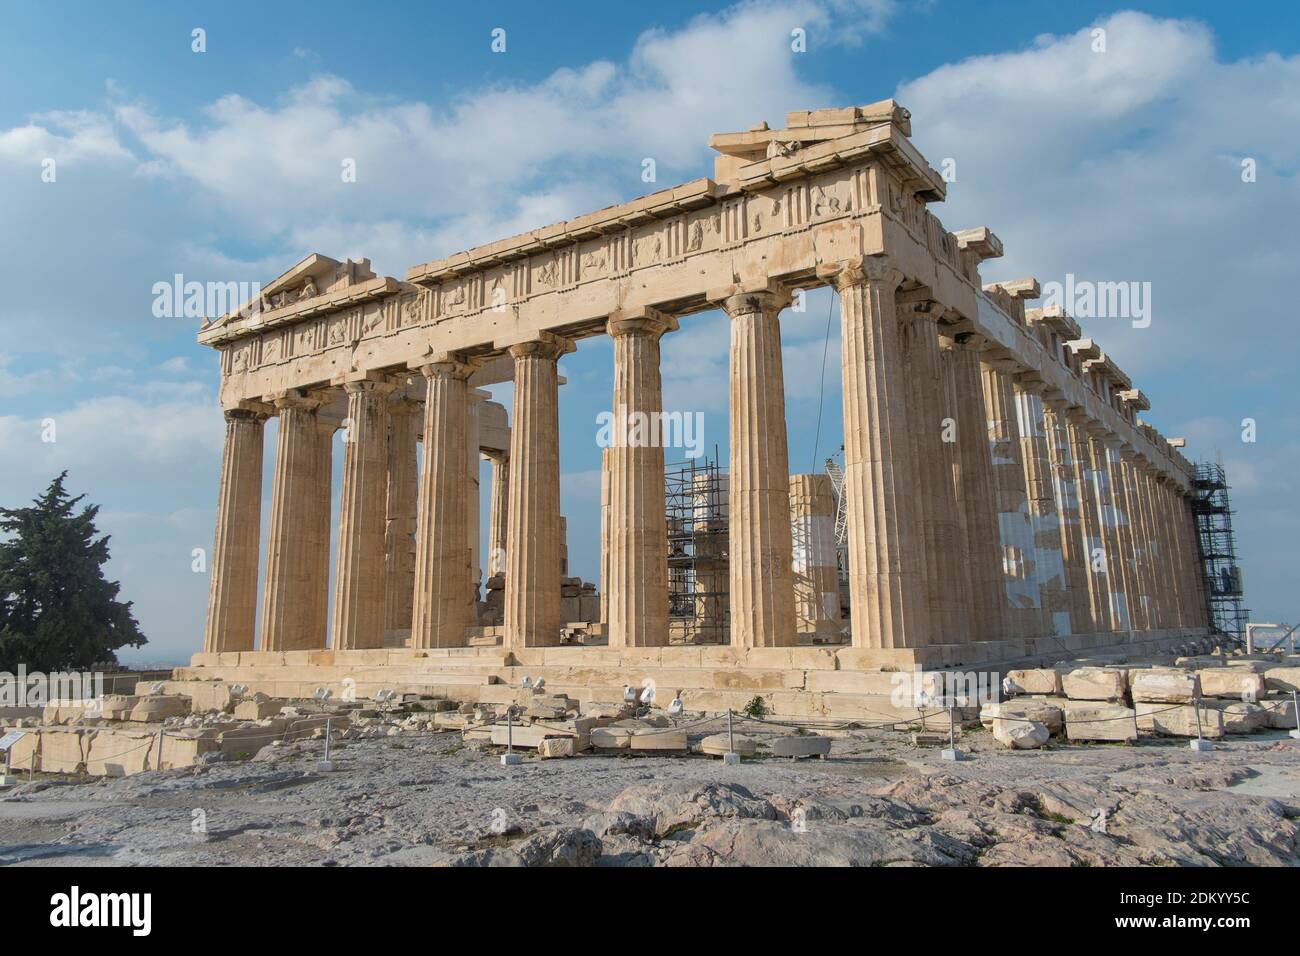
x: 224, y: 165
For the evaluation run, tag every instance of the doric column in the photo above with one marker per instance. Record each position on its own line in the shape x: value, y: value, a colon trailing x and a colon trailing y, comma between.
x: 1162, y: 577
x: 637, y: 598
x: 1105, y: 454
x: 977, y: 497
x: 358, y: 620
x: 292, y: 603
x: 816, y: 581
x: 232, y: 590
x: 321, y: 499
x: 1140, y: 608
x: 1074, y: 557
x: 1178, y: 553
x: 473, y: 494
x: 1023, y: 605
x: 604, y: 534
x: 400, y: 511
x: 1094, y: 548
x: 885, y: 541
x: 762, y: 590
x: 957, y: 575
x: 532, y: 602
x: 441, y: 603
x: 1044, y: 523
x: 947, y: 614
x: 500, y: 509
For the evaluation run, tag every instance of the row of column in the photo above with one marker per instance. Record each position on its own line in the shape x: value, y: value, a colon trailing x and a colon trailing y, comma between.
x: 979, y: 505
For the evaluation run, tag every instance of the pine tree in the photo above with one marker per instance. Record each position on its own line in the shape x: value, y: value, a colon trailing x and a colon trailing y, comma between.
x: 57, y: 612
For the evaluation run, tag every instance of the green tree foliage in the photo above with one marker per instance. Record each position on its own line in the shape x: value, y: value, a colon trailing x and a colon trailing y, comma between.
x: 57, y: 612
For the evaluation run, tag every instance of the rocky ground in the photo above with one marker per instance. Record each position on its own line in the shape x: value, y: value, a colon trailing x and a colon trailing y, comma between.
x: 878, y: 800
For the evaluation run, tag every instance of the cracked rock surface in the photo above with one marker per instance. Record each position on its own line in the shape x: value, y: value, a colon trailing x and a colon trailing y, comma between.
x: 878, y: 801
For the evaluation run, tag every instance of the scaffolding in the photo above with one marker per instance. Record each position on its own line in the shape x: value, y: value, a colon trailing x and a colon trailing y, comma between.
x: 836, y: 474
x: 1212, y: 512
x: 695, y: 498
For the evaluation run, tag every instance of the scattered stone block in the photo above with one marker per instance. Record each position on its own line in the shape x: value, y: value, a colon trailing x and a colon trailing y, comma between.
x: 1282, y: 678
x: 1019, y: 733
x: 1037, y: 681
x: 257, y: 709
x: 612, y: 738
x: 801, y: 746
x: 659, y: 739
x: 556, y: 747
x: 1165, y: 686
x: 62, y: 751
x: 158, y: 707
x: 718, y: 745
x: 1279, y: 713
x: 1095, y: 683
x: 1242, y: 718
x: 120, y: 753
x: 1231, y: 682
x: 1178, y: 720
x: 1100, y: 721
x: 1044, y: 712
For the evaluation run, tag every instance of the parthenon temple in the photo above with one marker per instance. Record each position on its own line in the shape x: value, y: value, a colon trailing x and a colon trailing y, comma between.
x: 1002, y: 500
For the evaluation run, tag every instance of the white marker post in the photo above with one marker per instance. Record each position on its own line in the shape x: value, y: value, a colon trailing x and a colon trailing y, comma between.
x: 326, y: 765
x: 1200, y: 744
x: 1295, y: 715
x: 510, y: 758
x: 730, y: 757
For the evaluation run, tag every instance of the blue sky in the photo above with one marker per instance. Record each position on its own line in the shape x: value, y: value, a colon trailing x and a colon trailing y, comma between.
x: 224, y: 165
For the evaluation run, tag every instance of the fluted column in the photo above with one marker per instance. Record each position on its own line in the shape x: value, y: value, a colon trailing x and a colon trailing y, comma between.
x: 473, y: 494
x: 498, y: 515
x: 1113, y: 523
x: 978, y: 498
x: 761, y: 586
x: 400, y: 513
x: 321, y: 499
x: 637, y: 599
x: 1177, y: 552
x: 1074, y: 556
x: 885, y: 540
x: 358, y: 620
x: 442, y: 606
x: 958, y: 574
x: 1024, y: 616
x: 1044, y: 523
x: 1094, y: 548
x: 816, y: 581
x: 1131, y: 538
x: 935, y: 497
x: 291, y: 595
x: 532, y: 601
x: 232, y: 590
x: 1162, y: 571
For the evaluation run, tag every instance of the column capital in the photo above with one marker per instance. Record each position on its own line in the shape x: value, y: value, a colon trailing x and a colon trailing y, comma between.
x: 855, y: 272
x: 642, y: 320
x: 1031, y: 381
x: 453, y: 365
x: 297, y: 398
x: 248, y: 411
x: 543, y: 344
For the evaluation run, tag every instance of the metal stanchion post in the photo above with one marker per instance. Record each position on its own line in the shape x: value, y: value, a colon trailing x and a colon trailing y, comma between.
x: 326, y: 765
x: 730, y: 757
x: 1295, y: 715
x: 952, y: 753
x: 510, y: 758
x: 1200, y: 744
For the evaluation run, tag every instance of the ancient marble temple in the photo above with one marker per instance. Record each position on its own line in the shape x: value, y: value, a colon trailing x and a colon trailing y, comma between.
x: 1003, y: 499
